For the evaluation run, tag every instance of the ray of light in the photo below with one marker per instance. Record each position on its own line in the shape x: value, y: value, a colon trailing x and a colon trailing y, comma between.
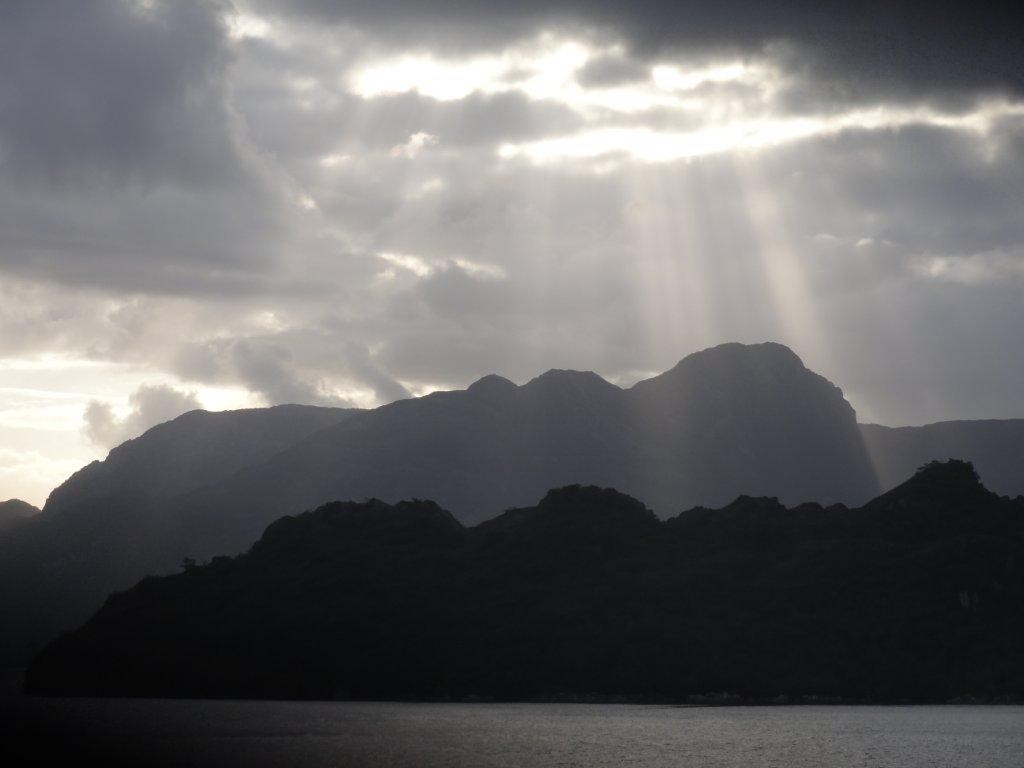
x: 786, y: 285
x: 648, y: 145
x: 672, y: 263
x: 545, y: 69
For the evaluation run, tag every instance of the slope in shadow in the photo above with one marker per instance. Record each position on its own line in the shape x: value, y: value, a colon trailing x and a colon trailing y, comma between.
x: 915, y: 596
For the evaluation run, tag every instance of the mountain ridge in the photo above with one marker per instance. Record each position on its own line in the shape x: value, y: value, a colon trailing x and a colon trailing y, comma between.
x: 585, y: 594
x: 726, y: 420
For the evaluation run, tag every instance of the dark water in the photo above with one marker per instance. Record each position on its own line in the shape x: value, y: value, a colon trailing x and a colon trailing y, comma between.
x: 251, y: 733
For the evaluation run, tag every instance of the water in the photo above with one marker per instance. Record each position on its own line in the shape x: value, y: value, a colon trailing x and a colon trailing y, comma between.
x: 253, y: 733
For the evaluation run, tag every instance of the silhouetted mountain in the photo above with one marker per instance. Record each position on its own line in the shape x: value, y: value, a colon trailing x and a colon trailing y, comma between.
x: 730, y: 419
x: 108, y: 524
x: 196, y: 449
x: 14, y: 512
x: 915, y: 596
x: 996, y: 447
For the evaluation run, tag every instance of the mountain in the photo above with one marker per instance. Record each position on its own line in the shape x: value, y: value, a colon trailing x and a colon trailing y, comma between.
x: 996, y: 447
x: 106, y: 526
x: 727, y: 420
x: 916, y: 596
x: 14, y: 512
x: 730, y: 419
x: 189, y: 452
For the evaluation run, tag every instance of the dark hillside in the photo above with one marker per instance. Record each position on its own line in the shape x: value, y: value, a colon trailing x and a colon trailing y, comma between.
x: 916, y: 596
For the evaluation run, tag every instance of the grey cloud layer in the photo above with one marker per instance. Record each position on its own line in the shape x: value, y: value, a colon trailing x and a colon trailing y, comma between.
x: 216, y: 210
x: 123, y: 164
x: 95, y: 91
x: 861, y: 49
x: 150, y: 405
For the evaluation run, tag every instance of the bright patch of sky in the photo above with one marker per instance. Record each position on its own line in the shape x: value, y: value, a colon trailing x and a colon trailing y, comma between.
x: 42, y: 402
x: 654, y: 146
x: 548, y: 68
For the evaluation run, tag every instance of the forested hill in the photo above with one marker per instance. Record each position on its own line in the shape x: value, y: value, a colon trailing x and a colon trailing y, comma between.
x: 916, y: 596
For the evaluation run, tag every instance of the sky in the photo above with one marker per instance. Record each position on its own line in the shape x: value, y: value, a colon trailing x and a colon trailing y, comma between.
x: 236, y: 204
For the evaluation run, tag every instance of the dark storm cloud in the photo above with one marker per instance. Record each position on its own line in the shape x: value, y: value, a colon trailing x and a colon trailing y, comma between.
x: 122, y: 164
x: 164, y: 240
x: 98, y: 91
x: 859, y: 50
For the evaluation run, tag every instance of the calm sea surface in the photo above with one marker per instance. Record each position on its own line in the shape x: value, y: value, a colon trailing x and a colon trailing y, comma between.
x: 256, y: 733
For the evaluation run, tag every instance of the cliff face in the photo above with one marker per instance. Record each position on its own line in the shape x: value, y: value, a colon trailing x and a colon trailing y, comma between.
x: 751, y: 419
x: 916, y: 596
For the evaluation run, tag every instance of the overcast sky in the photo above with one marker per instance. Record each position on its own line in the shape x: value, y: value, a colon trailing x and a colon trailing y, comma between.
x: 221, y: 205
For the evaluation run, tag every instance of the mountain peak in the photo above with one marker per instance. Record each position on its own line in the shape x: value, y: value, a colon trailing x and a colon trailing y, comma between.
x: 17, y: 507
x: 765, y: 362
x: 491, y: 384
x: 564, y: 378
x: 15, y: 511
x: 768, y: 352
x: 415, y: 520
x: 590, y: 496
x: 575, y: 511
x: 952, y: 487
x: 950, y: 475
x: 593, y: 503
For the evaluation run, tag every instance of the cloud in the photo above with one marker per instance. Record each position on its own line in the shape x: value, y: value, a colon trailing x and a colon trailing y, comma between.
x: 612, y: 68
x: 855, y: 50
x: 317, y: 366
x: 266, y: 368
x: 309, y: 202
x: 646, y: 145
x: 123, y: 163
x: 416, y: 143
x: 150, y: 405
x: 973, y: 269
x: 105, y: 91
x: 30, y: 474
